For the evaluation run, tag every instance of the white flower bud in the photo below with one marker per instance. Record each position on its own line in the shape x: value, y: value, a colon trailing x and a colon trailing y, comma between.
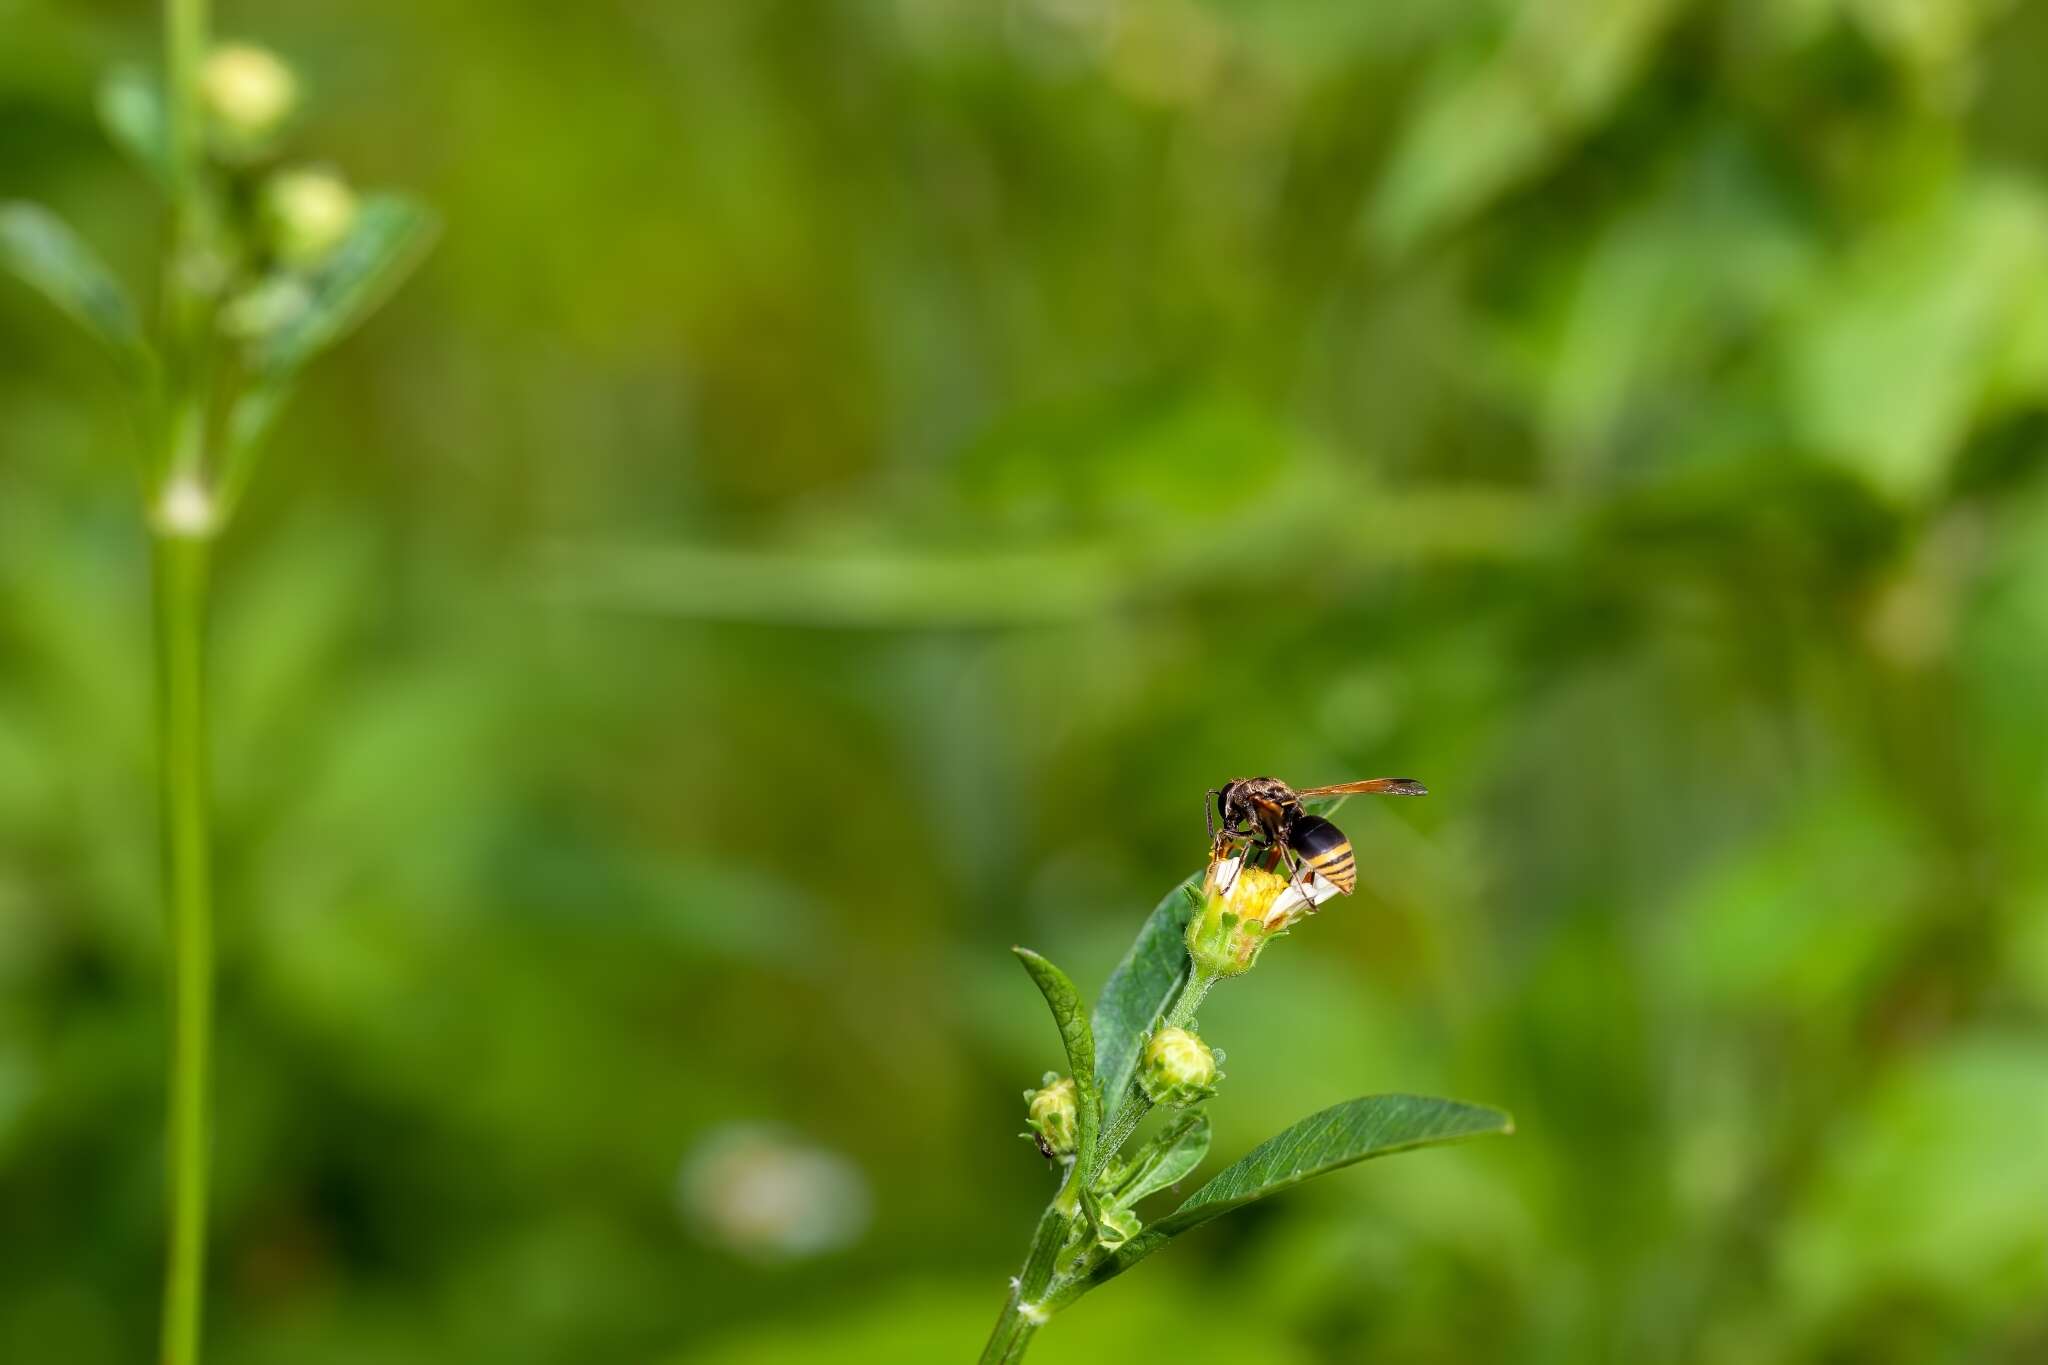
x: 249, y: 92
x: 307, y: 213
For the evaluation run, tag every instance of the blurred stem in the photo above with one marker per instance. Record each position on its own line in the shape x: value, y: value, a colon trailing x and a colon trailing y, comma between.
x: 180, y: 566
x: 184, y: 52
x: 183, y: 523
x: 184, y: 299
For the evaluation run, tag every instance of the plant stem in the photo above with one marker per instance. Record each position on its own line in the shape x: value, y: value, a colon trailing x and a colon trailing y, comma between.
x: 179, y: 563
x: 1136, y: 1104
x: 1011, y: 1338
x: 1033, y: 1295
x: 180, y: 546
x: 185, y: 320
x: 1192, y: 993
x: 1025, y: 1312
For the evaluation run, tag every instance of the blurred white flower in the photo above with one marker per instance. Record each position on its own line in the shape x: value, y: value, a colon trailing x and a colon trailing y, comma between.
x: 765, y: 1193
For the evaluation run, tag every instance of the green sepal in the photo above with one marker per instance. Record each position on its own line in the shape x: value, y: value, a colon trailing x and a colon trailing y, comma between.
x: 1116, y: 1227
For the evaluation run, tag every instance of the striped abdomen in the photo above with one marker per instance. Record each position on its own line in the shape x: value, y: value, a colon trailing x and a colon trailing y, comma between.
x: 1325, y: 849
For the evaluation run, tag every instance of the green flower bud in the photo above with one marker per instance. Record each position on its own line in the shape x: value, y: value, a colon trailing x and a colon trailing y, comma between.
x: 265, y: 307
x: 1178, y: 1068
x: 306, y: 214
x: 1055, y: 1115
x: 1243, y: 909
x: 249, y: 93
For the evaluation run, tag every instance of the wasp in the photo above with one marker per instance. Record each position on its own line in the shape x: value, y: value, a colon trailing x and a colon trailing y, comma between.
x: 1266, y: 812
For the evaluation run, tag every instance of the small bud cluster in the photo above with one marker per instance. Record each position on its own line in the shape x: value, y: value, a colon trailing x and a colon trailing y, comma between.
x: 1178, y: 1068
x: 278, y: 223
x: 1053, y: 1112
x: 269, y: 262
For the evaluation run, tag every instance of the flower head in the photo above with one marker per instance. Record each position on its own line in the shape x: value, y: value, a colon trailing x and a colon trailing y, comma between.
x: 308, y: 213
x: 249, y: 92
x: 1243, y: 907
x: 1054, y: 1114
x: 1178, y: 1068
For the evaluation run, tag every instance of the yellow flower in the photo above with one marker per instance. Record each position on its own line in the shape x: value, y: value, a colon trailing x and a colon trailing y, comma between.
x: 1243, y: 907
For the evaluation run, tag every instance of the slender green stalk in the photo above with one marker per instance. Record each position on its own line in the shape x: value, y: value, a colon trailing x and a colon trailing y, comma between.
x: 183, y: 524
x: 180, y: 568
x: 185, y: 310
x: 1136, y: 1104
x: 1037, y: 1290
x: 1024, y: 1312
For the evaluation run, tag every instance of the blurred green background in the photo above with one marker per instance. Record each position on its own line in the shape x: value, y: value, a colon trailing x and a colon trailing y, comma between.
x: 854, y: 473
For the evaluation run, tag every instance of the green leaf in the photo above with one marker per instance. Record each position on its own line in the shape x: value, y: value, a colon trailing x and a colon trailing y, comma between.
x: 254, y: 412
x: 1356, y: 1130
x: 1070, y: 1015
x: 131, y: 109
x: 390, y: 236
x: 50, y: 258
x: 1138, y: 992
x: 1167, y: 1159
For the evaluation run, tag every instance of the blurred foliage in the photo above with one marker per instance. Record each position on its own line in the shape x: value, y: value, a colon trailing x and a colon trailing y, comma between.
x: 852, y: 476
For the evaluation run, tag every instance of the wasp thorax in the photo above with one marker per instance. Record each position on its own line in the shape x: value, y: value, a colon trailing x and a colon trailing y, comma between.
x: 1178, y: 1068
x: 1054, y: 1114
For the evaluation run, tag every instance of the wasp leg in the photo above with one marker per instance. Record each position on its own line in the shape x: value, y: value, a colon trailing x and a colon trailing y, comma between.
x: 1297, y: 874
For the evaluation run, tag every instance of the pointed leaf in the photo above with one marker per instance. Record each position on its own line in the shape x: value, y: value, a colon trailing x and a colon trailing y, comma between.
x: 1168, y: 1158
x: 49, y: 257
x: 390, y: 236
x: 1070, y: 1014
x: 1356, y: 1130
x: 131, y: 108
x: 250, y: 417
x: 1138, y: 992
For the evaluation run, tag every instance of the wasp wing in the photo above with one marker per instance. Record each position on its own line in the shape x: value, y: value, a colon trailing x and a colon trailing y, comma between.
x: 1372, y: 786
